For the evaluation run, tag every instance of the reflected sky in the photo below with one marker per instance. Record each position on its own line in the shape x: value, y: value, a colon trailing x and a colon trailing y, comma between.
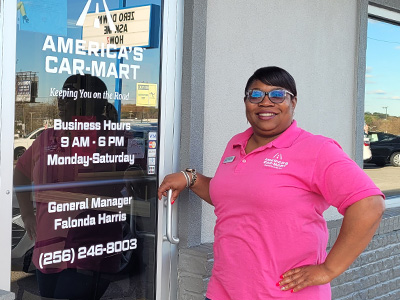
x: 382, y: 88
x: 46, y: 18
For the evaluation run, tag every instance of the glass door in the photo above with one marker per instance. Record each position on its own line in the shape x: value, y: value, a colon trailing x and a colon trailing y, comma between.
x: 91, y: 123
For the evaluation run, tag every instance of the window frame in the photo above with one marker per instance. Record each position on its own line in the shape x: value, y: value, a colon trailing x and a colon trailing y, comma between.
x: 383, y: 11
x: 8, y: 15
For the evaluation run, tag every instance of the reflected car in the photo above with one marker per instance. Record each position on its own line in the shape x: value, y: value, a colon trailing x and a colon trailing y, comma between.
x: 367, y: 154
x: 21, y: 144
x: 385, y: 148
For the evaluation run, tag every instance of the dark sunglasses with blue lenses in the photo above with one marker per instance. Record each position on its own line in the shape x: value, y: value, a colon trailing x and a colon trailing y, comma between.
x: 275, y: 96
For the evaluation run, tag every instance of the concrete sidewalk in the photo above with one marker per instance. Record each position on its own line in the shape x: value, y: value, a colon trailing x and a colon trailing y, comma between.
x: 6, y: 295
x: 386, y: 178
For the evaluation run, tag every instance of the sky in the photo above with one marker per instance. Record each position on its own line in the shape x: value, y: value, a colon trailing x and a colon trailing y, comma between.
x: 46, y: 18
x: 382, y: 79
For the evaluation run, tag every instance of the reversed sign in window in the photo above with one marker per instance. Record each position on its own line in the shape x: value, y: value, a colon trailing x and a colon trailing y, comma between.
x: 131, y: 27
x: 23, y: 91
x: 146, y: 94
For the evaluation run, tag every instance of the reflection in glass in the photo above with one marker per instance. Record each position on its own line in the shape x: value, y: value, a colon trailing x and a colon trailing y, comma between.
x: 85, y: 159
x: 382, y: 106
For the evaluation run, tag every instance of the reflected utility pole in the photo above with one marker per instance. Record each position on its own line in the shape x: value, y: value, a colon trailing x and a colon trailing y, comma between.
x: 386, y: 116
x: 31, y: 120
x: 385, y: 108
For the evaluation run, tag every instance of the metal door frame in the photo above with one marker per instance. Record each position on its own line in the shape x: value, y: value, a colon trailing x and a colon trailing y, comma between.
x: 169, y: 131
x: 8, y: 23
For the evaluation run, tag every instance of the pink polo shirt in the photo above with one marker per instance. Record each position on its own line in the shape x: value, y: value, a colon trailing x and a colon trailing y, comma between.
x: 269, y: 206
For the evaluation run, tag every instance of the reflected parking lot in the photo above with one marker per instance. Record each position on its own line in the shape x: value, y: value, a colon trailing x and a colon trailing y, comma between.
x: 386, y: 178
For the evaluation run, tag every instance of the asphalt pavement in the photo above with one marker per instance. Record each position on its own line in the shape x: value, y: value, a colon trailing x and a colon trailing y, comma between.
x: 387, y: 178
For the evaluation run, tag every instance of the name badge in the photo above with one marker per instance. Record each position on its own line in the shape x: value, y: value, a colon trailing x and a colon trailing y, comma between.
x: 229, y: 159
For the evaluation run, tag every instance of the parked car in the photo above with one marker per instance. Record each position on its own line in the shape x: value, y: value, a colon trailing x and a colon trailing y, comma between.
x: 367, y: 154
x: 385, y: 148
x: 21, y: 144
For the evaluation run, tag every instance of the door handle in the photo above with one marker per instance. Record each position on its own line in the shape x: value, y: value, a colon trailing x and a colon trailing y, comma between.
x: 170, y: 237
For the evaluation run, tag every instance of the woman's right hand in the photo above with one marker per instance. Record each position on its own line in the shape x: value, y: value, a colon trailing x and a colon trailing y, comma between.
x: 175, y: 182
x: 30, y: 226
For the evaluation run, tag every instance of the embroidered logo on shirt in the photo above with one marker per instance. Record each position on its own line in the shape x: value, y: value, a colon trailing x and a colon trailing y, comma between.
x: 276, y: 162
x: 229, y: 159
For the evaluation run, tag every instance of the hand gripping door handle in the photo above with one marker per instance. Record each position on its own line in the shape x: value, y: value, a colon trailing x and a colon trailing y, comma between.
x: 170, y: 237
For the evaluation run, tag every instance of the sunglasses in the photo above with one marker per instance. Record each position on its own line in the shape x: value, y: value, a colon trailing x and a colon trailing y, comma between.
x: 275, y: 96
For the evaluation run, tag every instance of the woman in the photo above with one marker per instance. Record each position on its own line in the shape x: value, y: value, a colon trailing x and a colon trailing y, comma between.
x: 270, y: 190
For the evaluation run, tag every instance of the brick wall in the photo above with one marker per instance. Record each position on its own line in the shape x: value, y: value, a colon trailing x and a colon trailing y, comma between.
x: 376, y: 272
x: 375, y: 275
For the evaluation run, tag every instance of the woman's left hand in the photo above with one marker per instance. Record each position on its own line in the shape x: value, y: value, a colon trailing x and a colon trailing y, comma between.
x: 360, y: 222
x: 298, y: 278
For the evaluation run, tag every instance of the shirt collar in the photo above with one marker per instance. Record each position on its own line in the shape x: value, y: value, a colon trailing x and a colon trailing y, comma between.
x: 285, y: 140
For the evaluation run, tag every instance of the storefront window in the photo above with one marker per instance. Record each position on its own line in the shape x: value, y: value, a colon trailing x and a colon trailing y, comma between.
x: 86, y: 149
x: 382, y: 106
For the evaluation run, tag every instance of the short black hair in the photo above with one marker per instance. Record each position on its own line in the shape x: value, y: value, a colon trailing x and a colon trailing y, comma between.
x: 273, y: 76
x: 90, y: 106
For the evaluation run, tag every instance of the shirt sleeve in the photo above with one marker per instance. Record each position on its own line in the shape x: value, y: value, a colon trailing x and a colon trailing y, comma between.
x: 24, y: 163
x: 339, y: 179
x: 27, y: 161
